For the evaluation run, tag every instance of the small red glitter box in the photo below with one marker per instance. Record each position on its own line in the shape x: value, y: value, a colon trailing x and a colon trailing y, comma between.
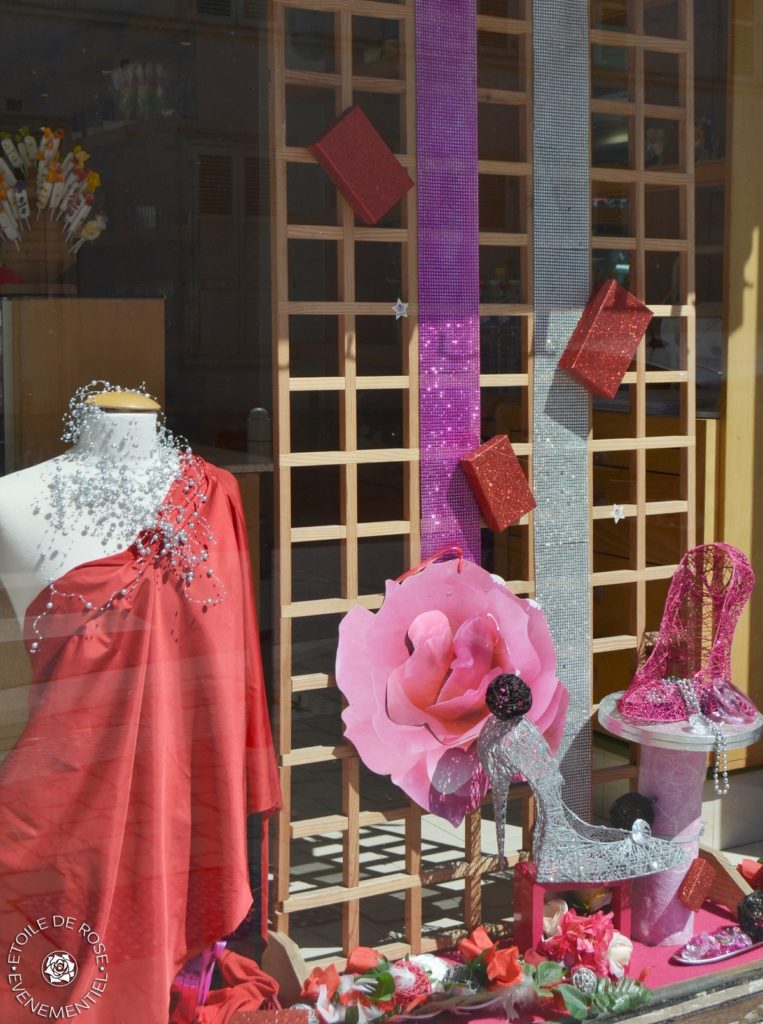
x: 499, y: 485
x: 361, y: 165
x: 605, y: 340
x: 696, y: 884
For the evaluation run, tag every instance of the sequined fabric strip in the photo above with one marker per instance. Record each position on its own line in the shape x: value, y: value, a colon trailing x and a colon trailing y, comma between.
x: 449, y: 351
x: 560, y: 419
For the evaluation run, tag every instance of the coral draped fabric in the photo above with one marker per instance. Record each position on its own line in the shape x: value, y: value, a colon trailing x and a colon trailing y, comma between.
x: 123, y: 806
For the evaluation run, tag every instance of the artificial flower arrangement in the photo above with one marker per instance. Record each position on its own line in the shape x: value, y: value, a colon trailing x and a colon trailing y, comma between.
x: 36, y: 178
x: 578, y: 969
x: 416, y: 672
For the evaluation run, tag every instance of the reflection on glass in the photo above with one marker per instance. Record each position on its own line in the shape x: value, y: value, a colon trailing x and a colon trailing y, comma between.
x: 316, y: 570
x: 500, y: 344
x: 662, y: 212
x: 500, y: 132
x: 610, y: 209
x: 502, y: 8
x: 500, y: 207
x: 500, y: 61
x: 314, y: 421
x: 312, y: 270
x: 711, y: 215
x: 309, y: 42
x: 309, y: 112
x: 613, y: 15
x: 663, y: 19
x: 380, y: 419
x: 380, y: 491
x: 376, y: 47
x: 662, y: 146
x: 661, y: 78
x: 313, y: 346
x: 610, y: 72
x: 501, y: 274
x: 378, y: 271
x: 379, y: 345
x: 504, y: 411
x: 710, y: 74
x: 610, y: 140
x: 663, y: 278
x: 310, y: 195
x: 611, y: 264
x: 315, y: 496
x: 384, y: 113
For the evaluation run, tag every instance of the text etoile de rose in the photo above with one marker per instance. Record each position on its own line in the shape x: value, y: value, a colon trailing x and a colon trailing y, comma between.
x: 43, y: 1008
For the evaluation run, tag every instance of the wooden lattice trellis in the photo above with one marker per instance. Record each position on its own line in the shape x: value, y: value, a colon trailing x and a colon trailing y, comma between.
x: 319, y: 86
x: 641, y: 459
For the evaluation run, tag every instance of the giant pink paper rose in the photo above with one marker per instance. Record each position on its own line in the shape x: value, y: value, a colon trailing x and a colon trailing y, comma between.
x: 415, y: 676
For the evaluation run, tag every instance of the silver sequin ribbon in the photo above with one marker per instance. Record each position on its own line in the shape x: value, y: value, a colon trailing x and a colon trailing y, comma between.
x: 561, y: 218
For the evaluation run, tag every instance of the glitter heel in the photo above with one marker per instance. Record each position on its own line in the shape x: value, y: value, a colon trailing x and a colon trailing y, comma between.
x: 565, y: 848
x: 707, y: 594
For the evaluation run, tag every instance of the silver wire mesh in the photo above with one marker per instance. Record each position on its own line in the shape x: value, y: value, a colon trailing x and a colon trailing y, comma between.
x: 565, y: 848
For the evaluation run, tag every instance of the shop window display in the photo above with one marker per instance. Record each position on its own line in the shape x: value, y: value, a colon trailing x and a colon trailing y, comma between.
x: 338, y: 357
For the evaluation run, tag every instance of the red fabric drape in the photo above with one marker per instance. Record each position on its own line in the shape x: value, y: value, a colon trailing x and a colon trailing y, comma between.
x: 123, y: 805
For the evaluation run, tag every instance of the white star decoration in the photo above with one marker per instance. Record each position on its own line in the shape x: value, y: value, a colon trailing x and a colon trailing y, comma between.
x: 618, y: 513
x: 400, y: 309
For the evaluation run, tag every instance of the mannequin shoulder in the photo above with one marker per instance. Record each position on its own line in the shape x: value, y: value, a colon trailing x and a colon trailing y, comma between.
x: 18, y: 490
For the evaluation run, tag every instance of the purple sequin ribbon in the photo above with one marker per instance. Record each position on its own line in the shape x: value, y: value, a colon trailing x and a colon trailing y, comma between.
x: 448, y: 264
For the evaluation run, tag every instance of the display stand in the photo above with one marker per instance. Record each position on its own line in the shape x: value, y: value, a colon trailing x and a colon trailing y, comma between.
x: 672, y: 771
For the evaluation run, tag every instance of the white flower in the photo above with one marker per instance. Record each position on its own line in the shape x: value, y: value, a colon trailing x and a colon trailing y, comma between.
x: 435, y: 967
x: 619, y: 954
x: 329, y: 1013
x: 552, y: 915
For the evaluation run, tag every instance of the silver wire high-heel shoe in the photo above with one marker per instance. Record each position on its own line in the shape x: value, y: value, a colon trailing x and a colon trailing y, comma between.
x: 565, y: 848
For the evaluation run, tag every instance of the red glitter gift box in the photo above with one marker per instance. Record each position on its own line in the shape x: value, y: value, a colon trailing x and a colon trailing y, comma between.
x: 361, y: 165
x: 605, y: 340
x: 696, y: 884
x: 499, y: 485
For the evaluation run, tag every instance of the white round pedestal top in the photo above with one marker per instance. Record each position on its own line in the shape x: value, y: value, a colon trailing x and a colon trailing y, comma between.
x: 674, y: 735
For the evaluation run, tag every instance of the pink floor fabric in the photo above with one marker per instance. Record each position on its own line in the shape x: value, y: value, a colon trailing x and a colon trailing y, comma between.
x: 664, y: 973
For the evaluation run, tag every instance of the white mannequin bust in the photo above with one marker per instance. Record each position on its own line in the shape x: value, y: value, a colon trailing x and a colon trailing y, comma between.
x: 46, y: 529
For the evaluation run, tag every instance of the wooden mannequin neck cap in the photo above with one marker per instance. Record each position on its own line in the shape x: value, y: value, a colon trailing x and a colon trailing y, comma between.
x: 123, y: 401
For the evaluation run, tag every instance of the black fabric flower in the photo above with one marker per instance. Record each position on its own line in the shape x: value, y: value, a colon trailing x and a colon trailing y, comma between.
x: 750, y: 914
x: 630, y: 806
x: 508, y: 696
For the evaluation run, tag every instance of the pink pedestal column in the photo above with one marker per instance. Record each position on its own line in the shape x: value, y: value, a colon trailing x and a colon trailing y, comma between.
x: 675, y: 779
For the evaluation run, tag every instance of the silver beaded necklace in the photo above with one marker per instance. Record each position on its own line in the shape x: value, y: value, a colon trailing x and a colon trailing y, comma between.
x: 702, y: 725
x: 96, y: 491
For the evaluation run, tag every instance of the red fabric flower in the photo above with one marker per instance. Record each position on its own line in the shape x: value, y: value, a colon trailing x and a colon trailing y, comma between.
x: 503, y: 967
x: 582, y: 940
x: 752, y: 872
x: 476, y: 943
x: 362, y: 959
x: 311, y: 988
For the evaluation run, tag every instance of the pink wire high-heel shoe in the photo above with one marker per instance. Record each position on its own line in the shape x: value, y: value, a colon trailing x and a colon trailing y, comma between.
x: 707, y: 594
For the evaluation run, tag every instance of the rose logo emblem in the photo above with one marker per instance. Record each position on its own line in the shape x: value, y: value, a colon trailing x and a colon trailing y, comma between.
x: 59, y: 968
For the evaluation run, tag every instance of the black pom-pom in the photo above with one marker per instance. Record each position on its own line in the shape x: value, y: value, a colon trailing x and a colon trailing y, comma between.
x: 508, y: 696
x: 750, y: 915
x: 630, y: 806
